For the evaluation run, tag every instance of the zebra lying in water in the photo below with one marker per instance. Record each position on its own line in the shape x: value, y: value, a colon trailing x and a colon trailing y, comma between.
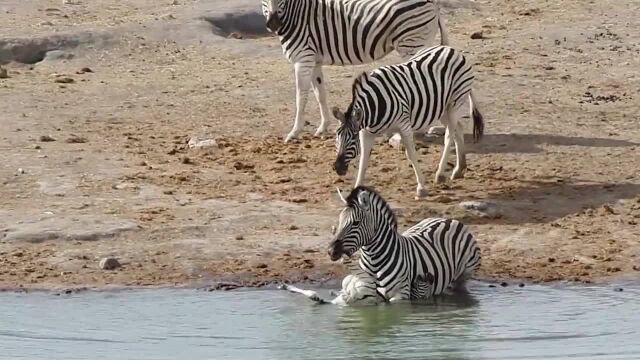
x: 346, y: 32
x: 428, y: 259
x: 407, y: 98
x: 359, y: 288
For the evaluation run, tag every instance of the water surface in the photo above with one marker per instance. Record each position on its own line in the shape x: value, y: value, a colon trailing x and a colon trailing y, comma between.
x: 534, y: 322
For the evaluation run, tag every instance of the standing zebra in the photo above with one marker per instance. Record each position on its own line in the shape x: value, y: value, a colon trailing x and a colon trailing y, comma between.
x: 346, y: 32
x: 407, y: 98
x: 440, y: 250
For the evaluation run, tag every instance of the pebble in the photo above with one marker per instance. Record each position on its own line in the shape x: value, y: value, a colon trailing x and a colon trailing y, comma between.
x: 477, y: 35
x: 482, y: 208
x: 491, y: 286
x: 618, y: 289
x: 46, y: 138
x: 3, y: 73
x: 293, y: 227
x: 261, y: 266
x: 20, y: 171
x: 239, y: 237
x: 504, y: 284
x: 64, y: 80
x: 109, y: 263
x: 521, y: 285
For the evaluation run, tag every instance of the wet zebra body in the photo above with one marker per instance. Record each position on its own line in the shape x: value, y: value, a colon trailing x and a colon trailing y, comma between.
x: 359, y: 289
x: 427, y: 259
x: 346, y: 32
x: 407, y: 98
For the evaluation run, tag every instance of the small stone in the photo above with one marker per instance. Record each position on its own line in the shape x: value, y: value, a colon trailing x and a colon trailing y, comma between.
x: 491, y: 286
x: 504, y: 284
x: 37, y: 147
x: 3, y: 73
x: 167, y: 17
x: 109, y: 263
x: 551, y: 260
x: 618, y: 289
x: 239, y: 237
x: 84, y: 70
x: 175, y: 2
x: 549, y: 68
x: 293, y: 227
x: 64, y: 80
x: 477, y: 35
x: 58, y: 55
x: 186, y: 160
x: 46, y: 138
x: 20, y: 171
x: 261, y: 266
x: 201, y: 144
x: 74, y: 139
x: 521, y: 285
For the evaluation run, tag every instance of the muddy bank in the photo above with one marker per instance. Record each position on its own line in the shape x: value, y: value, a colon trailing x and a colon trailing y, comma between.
x: 106, y: 162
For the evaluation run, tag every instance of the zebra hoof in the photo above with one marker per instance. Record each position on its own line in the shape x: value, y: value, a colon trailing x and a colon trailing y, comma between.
x: 290, y: 136
x: 283, y: 286
x: 440, y: 179
x: 457, y: 174
x: 421, y: 193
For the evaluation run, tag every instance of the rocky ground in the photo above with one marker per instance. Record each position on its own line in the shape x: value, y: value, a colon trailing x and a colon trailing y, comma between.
x: 100, y: 101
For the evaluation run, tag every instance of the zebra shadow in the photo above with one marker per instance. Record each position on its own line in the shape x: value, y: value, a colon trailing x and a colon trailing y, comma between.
x: 546, y: 201
x: 527, y: 143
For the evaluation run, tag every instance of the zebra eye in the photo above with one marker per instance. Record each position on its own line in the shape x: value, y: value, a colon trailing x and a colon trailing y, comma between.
x: 355, y: 223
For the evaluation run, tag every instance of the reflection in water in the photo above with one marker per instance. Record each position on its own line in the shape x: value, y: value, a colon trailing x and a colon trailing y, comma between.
x: 504, y: 323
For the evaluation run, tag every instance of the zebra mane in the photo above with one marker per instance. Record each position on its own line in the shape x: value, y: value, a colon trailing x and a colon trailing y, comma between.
x: 376, y: 198
x: 355, y: 87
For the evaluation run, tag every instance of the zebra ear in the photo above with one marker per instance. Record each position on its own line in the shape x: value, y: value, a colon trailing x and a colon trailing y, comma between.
x: 338, y: 114
x: 363, y: 200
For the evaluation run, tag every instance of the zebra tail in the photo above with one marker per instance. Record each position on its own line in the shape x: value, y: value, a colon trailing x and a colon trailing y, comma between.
x: 478, y: 120
x: 444, y: 35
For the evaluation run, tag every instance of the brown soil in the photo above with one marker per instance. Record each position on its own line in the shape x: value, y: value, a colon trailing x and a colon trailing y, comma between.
x: 100, y: 166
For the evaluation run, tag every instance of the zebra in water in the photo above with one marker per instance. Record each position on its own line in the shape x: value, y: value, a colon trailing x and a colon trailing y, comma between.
x: 407, y: 98
x: 359, y: 288
x: 440, y: 250
x: 346, y: 32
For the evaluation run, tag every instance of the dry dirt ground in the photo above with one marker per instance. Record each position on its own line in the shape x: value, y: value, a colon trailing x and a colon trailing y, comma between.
x: 96, y: 163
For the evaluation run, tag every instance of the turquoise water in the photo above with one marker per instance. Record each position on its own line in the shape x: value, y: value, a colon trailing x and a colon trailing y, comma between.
x: 534, y: 322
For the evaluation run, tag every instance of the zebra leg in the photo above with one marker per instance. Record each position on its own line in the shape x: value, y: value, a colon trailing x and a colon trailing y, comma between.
x: 410, y: 151
x: 319, y: 89
x: 366, y: 144
x: 458, y: 138
x: 303, y: 71
x: 308, y: 293
x: 448, y: 137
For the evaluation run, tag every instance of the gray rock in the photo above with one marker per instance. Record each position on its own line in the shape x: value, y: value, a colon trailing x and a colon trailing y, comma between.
x: 58, y: 55
x: 482, y: 208
x: 109, y: 263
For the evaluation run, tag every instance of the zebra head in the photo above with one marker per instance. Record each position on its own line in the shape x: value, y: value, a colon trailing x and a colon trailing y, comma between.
x: 347, y: 144
x: 356, y: 226
x: 273, y: 11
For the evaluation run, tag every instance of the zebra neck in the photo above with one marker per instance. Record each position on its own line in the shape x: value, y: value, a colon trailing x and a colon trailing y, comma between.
x: 296, y: 15
x: 386, y: 243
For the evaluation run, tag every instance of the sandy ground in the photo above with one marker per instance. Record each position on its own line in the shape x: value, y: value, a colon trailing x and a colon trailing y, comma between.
x: 558, y: 82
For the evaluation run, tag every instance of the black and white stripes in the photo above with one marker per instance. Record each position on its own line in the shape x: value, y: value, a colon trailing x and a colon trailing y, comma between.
x: 435, y: 84
x: 343, y: 32
x: 424, y: 261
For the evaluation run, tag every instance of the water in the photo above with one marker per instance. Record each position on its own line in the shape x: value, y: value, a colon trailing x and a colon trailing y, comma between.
x: 534, y: 322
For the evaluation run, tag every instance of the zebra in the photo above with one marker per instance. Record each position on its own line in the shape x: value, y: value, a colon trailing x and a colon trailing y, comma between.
x: 346, y: 32
x: 440, y: 250
x: 407, y: 98
x: 359, y: 288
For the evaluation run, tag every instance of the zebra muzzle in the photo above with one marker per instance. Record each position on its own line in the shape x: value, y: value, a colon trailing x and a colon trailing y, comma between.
x: 273, y: 22
x: 335, y: 250
x: 340, y: 166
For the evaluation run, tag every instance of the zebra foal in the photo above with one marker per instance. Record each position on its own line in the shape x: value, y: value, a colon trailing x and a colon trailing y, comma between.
x: 346, y: 32
x: 426, y: 260
x: 406, y: 98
